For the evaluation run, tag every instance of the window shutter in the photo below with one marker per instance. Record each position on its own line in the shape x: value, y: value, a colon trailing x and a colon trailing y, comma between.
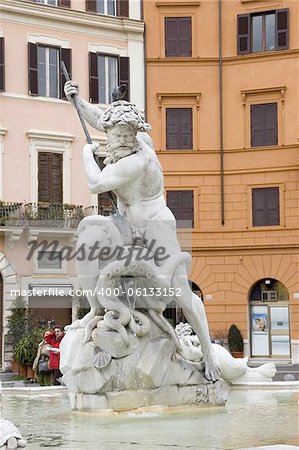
x: 56, y: 178
x: 91, y: 6
x: 181, y: 205
x: 122, y: 8
x: 265, y: 206
x: 264, y: 129
x: 257, y: 125
x: 32, y: 73
x: 282, y: 29
x: 64, y: 3
x: 93, y: 78
x: 66, y: 57
x: 50, y: 169
x: 186, y: 129
x: 171, y: 44
x: 184, y: 37
x: 2, y: 66
x: 43, y: 177
x: 270, y: 124
x: 178, y: 36
x: 172, y: 129
x: 273, y: 206
x: 243, y: 34
x: 179, y: 129
x: 124, y: 74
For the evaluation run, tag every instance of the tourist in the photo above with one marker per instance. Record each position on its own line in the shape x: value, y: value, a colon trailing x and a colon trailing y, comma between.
x: 41, y: 362
x: 54, y: 339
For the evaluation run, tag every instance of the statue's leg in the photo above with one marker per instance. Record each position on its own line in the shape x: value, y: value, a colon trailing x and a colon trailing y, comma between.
x: 195, y: 314
x: 97, y: 243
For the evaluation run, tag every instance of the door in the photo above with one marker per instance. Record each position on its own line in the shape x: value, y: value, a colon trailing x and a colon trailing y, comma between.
x: 270, y: 331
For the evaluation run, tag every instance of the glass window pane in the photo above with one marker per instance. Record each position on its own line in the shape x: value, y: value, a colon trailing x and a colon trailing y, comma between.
x: 257, y: 33
x: 41, y: 71
x: 270, y: 31
x: 53, y: 72
x: 102, y: 79
x: 100, y: 7
x: 49, y: 260
x: 280, y: 345
x: 112, y: 75
x: 280, y: 318
x: 111, y: 7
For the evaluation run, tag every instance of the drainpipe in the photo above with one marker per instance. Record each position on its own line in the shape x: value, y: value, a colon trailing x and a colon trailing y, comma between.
x: 221, y: 110
x: 144, y: 58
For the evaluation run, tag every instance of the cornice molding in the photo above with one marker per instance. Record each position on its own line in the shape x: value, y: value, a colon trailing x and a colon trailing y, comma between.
x: 50, y: 135
x: 237, y: 59
x: 174, y: 4
x: 163, y: 95
x: 21, y: 10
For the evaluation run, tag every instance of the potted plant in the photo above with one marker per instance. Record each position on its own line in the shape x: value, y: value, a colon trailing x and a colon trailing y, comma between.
x: 25, y: 352
x: 235, y: 342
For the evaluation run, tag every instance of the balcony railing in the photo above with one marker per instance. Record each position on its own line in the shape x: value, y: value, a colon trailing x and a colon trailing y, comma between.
x: 52, y: 215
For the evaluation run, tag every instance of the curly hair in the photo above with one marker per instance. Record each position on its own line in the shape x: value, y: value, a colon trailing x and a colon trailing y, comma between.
x: 124, y: 113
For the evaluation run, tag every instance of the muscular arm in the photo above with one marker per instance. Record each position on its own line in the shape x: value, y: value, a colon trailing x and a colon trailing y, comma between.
x: 91, y: 113
x: 114, y: 175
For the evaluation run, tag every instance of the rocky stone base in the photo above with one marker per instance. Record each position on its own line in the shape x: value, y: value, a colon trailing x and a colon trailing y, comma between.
x: 126, y: 400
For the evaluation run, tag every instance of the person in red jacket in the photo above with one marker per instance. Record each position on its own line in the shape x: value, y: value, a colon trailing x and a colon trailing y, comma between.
x: 54, y: 339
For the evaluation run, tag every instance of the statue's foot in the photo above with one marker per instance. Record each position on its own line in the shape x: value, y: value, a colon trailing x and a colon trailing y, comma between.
x: 212, y: 368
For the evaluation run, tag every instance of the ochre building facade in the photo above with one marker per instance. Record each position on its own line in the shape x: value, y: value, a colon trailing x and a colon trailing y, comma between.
x: 222, y: 99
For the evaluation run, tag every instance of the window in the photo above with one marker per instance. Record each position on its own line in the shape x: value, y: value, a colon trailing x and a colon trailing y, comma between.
x: 48, y: 71
x: 49, y: 260
x: 263, y: 32
x: 265, y: 206
x: 109, y: 7
x: 179, y: 130
x: 50, y: 170
x: 2, y: 62
x: 264, y: 130
x: 106, y: 72
x: 63, y: 3
x: 45, y: 75
x: 178, y: 36
x: 181, y: 205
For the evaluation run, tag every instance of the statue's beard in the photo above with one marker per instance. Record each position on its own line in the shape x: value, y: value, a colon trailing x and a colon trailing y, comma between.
x: 115, y: 152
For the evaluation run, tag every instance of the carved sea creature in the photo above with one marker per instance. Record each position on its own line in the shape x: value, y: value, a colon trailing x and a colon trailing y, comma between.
x: 10, y: 437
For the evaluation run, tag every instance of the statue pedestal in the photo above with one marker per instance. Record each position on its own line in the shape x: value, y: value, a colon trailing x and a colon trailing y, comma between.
x: 105, y: 373
x: 209, y: 393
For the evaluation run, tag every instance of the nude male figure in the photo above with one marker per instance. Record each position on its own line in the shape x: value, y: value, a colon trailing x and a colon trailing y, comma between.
x: 134, y: 174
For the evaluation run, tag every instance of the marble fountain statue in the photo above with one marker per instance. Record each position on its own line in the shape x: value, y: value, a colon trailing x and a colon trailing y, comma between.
x: 131, y: 266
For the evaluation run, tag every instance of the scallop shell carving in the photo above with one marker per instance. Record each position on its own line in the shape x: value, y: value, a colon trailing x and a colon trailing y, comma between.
x: 101, y: 360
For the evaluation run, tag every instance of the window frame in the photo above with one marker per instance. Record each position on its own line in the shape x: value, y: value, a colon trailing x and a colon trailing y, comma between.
x: 181, y: 9
x: 64, y: 53
x: 123, y: 73
x: 281, y: 197
x: 47, y: 64
x: 179, y: 100
x: 194, y: 195
x: 106, y: 8
x: 179, y: 38
x: 50, y: 142
x: 38, y: 269
x: 117, y: 59
x: 248, y: 36
x: 263, y: 144
x: 189, y: 109
x: 275, y: 94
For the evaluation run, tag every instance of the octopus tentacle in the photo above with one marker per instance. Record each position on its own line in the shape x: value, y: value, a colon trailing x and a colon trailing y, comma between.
x: 139, y: 323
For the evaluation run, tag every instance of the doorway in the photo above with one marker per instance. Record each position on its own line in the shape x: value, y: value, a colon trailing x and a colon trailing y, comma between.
x: 270, y: 320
